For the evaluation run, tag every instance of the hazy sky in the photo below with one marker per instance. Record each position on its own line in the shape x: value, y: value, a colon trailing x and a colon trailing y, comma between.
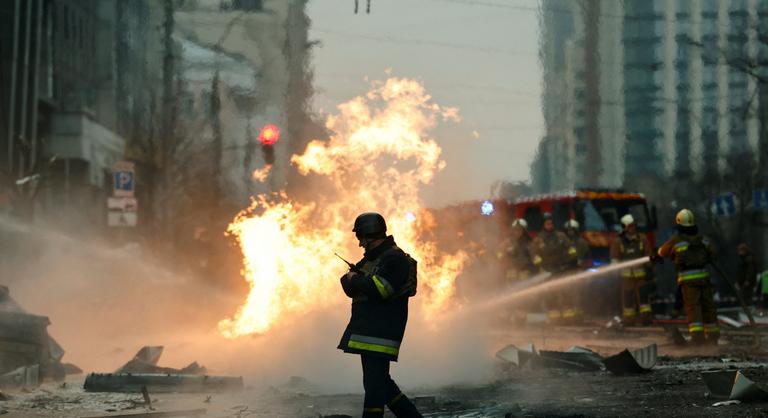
x: 477, y: 55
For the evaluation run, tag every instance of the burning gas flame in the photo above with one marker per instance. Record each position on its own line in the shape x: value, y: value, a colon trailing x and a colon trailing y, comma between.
x: 377, y: 159
x: 261, y: 174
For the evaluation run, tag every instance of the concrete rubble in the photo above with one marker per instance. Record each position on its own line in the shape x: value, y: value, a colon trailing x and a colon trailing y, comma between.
x: 145, y: 361
x: 28, y: 354
x: 581, y: 359
x: 733, y: 385
x: 142, y: 374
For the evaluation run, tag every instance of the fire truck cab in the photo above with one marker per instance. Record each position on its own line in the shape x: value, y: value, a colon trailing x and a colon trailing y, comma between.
x: 598, y: 212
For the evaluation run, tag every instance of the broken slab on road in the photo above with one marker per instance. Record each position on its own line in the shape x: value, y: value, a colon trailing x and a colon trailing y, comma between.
x: 145, y: 361
x: 160, y: 383
x: 733, y: 385
x: 581, y: 359
x: 632, y: 362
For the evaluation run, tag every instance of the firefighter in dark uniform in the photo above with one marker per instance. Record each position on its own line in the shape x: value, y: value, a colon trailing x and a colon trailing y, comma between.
x: 516, y: 253
x: 636, y: 281
x: 380, y: 285
x: 552, y: 252
x: 574, y: 299
x: 692, y: 252
x: 747, y: 278
x: 515, y: 258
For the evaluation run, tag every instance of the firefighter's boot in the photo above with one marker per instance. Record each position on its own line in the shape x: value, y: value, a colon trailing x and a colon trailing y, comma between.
x: 713, y: 333
x: 646, y: 314
x: 697, y: 338
x: 402, y: 407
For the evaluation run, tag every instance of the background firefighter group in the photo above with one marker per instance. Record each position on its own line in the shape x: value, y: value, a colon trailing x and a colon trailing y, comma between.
x: 561, y: 252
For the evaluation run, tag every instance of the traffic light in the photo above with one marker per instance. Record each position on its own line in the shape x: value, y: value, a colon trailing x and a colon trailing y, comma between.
x: 269, y: 134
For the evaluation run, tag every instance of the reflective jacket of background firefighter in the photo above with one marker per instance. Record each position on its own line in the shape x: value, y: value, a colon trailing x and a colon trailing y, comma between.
x: 625, y: 248
x: 379, y: 301
x: 516, y: 253
x: 691, y: 254
x: 552, y: 251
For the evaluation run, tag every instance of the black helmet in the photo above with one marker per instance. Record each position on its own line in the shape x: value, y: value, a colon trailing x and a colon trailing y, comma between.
x: 547, y: 216
x: 370, y: 225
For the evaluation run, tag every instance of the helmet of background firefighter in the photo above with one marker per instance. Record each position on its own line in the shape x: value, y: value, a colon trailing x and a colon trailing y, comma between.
x: 521, y: 223
x: 685, y: 218
x: 627, y: 220
x: 370, y: 225
x: 571, y: 224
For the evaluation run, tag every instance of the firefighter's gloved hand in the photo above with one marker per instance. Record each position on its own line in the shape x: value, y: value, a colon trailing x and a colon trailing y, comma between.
x: 346, y: 284
x: 656, y: 258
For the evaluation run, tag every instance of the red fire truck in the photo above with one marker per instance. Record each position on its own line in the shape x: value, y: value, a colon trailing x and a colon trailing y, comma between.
x: 597, y: 211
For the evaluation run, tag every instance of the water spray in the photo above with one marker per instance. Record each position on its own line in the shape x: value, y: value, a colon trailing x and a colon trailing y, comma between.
x: 540, y: 284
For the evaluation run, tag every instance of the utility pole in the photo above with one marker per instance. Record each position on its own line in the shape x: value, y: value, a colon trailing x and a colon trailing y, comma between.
x: 12, y: 98
x: 591, y: 10
x: 217, y: 140
x: 167, y: 140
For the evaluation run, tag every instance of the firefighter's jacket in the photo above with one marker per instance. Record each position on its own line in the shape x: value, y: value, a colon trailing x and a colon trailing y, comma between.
x: 691, y: 253
x: 625, y: 248
x: 516, y: 256
x: 379, y: 295
x: 582, y: 250
x: 552, y: 251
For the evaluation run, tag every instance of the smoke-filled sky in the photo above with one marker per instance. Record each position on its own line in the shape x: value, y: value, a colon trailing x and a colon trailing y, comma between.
x: 479, y: 56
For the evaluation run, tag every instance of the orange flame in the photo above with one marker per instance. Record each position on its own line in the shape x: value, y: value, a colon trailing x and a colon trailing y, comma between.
x: 261, y: 174
x: 377, y: 159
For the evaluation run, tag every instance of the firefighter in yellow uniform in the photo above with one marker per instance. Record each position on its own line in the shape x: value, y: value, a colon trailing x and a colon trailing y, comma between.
x: 692, y: 252
x: 574, y: 300
x: 552, y: 252
x: 515, y: 253
x: 635, y: 282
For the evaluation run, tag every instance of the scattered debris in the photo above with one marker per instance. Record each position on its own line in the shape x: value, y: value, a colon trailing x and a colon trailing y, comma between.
x: 733, y: 385
x: 5, y: 397
x: 24, y: 341
x: 160, y: 383
x: 614, y: 323
x: 576, y: 358
x: 636, y: 361
x: 580, y: 359
x: 518, y: 356
x: 159, y: 414
x: 26, y: 377
x: 726, y: 403
x: 727, y: 320
x: 145, y: 361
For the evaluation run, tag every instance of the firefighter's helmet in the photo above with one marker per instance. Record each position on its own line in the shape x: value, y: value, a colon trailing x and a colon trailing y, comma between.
x: 370, y: 225
x: 627, y: 220
x: 572, y: 224
x: 547, y: 216
x: 685, y: 218
x: 521, y: 223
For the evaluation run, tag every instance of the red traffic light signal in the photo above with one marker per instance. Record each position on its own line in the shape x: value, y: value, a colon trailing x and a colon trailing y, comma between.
x: 269, y: 134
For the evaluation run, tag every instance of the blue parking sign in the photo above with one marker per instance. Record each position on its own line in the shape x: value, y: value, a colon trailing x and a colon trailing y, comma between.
x: 760, y: 200
x: 123, y: 178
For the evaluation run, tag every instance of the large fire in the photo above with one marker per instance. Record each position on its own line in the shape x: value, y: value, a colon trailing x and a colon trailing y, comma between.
x: 377, y: 159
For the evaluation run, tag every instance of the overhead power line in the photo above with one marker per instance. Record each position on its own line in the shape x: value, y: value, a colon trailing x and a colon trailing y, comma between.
x: 424, y: 42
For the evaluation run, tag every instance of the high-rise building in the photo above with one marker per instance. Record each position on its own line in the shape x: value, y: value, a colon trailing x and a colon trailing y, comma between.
x: 677, y: 90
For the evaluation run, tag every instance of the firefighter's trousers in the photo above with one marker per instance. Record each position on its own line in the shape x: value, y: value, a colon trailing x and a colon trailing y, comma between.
x: 381, y: 391
x: 700, y: 310
x: 635, y: 300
